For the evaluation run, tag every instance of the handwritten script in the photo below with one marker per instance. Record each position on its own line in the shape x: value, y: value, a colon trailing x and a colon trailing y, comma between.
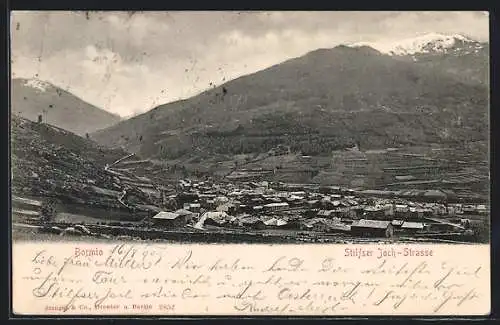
x: 162, y: 279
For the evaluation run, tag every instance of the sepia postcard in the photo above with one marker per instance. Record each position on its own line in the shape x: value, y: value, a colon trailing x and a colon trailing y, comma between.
x: 278, y: 163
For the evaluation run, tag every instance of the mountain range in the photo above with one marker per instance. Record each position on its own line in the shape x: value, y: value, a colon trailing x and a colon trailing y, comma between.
x: 326, y: 100
x: 313, y: 118
x: 31, y: 98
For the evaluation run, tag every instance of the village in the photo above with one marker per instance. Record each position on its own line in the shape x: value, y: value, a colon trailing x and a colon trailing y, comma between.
x: 277, y: 210
x: 327, y: 209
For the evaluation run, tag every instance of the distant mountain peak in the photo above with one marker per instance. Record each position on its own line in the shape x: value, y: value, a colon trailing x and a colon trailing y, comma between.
x: 429, y: 43
x: 32, y: 97
x: 37, y: 84
x: 343, y: 49
x: 360, y: 47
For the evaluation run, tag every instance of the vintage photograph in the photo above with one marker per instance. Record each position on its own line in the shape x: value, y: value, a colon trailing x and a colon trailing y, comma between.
x: 250, y: 127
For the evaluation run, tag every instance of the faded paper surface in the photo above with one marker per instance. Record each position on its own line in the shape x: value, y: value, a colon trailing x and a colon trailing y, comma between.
x: 286, y: 127
x: 162, y: 279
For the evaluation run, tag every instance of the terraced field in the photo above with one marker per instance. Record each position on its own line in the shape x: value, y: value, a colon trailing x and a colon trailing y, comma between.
x: 463, y: 170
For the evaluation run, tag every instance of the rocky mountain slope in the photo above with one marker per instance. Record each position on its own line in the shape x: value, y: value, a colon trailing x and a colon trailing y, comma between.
x: 49, y: 162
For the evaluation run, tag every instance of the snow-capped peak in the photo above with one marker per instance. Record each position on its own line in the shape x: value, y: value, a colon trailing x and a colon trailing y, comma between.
x: 427, y: 43
x: 37, y: 84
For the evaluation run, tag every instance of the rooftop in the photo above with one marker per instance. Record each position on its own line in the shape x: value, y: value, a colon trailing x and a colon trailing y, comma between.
x: 365, y: 223
x: 166, y: 216
x: 412, y: 225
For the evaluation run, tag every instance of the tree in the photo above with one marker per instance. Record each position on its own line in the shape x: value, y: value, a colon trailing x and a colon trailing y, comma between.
x: 48, y: 210
x: 184, y: 172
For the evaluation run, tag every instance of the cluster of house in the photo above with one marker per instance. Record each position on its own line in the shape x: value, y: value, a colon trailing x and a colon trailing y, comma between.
x: 261, y: 206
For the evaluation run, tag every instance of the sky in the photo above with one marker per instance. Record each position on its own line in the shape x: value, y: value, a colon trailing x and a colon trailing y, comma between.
x: 130, y: 62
